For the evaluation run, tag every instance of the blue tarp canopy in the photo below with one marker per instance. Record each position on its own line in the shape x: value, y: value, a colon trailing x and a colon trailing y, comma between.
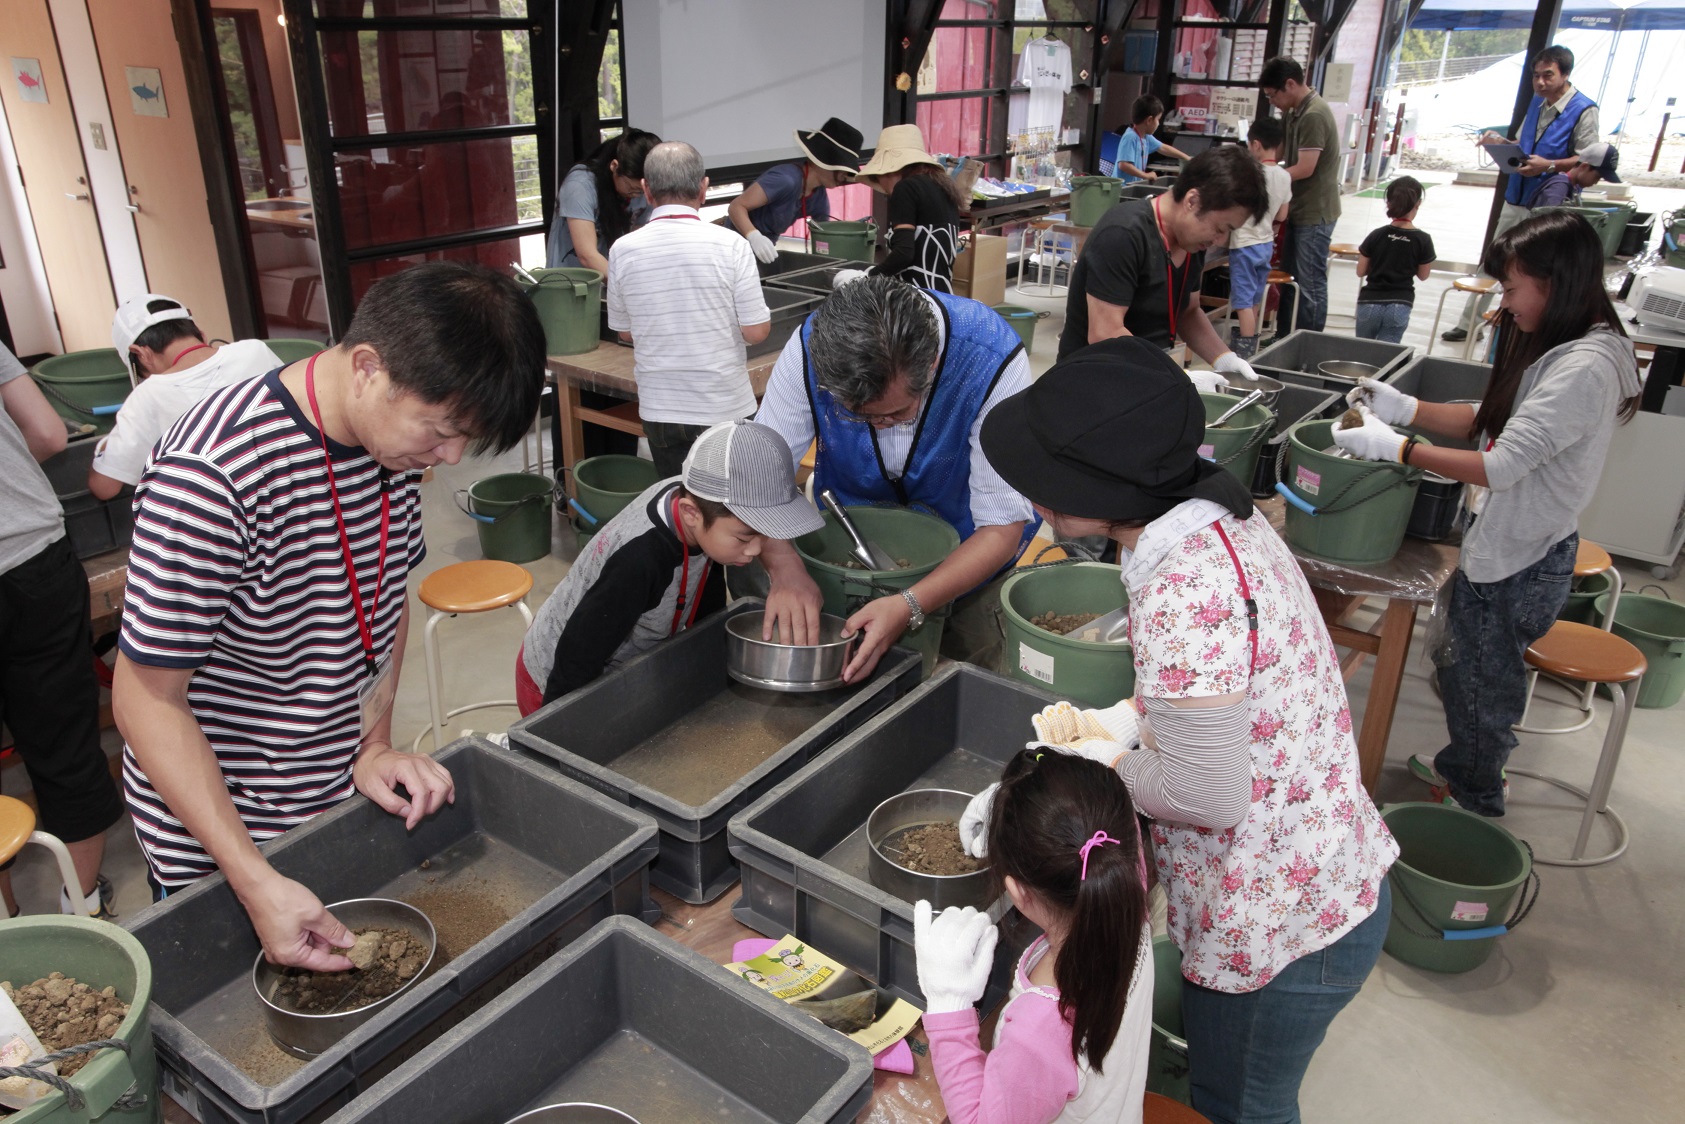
x: 1585, y: 15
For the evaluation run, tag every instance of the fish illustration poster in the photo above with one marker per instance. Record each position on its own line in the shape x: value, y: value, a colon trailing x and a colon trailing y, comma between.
x: 146, y: 91
x: 27, y: 74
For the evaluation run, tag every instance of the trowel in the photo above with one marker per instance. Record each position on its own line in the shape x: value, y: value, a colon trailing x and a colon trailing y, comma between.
x: 869, y: 555
x: 1113, y: 626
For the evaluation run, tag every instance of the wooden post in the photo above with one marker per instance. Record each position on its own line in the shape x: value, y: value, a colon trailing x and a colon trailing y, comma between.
x: 1661, y: 133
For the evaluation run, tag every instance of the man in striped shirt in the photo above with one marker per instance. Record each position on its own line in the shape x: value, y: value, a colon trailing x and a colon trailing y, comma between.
x: 275, y: 526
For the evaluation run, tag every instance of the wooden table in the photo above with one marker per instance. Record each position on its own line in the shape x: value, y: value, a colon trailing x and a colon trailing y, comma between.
x: 1407, y: 582
x: 1004, y: 212
x: 608, y: 370
x: 108, y: 577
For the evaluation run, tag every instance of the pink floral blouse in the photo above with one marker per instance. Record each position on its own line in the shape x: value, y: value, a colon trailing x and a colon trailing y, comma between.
x: 1306, y: 864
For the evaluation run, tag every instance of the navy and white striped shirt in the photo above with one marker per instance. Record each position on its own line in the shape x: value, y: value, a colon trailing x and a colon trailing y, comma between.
x: 236, y: 572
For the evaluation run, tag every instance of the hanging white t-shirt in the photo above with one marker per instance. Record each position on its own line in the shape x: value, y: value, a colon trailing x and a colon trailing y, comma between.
x: 1045, y: 67
x: 153, y: 407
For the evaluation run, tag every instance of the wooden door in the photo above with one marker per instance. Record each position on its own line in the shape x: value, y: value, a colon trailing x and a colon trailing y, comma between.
x: 166, y: 182
x: 55, y: 178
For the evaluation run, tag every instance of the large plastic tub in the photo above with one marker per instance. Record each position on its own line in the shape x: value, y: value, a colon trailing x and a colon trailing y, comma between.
x: 803, y: 845
x: 1433, y: 378
x: 791, y: 261
x: 673, y: 736
x: 1293, y: 405
x: 789, y: 307
x: 93, y: 526
x: 1295, y: 358
x: 816, y: 281
x: 629, y: 1019
x: 522, y: 864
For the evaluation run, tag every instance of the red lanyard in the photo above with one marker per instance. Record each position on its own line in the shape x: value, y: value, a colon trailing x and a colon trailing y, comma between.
x: 684, y: 578
x: 190, y: 351
x: 344, y: 538
x: 1245, y: 592
x: 1170, y: 294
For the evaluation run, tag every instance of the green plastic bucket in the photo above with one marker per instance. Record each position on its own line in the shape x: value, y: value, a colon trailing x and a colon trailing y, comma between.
x: 843, y: 238
x: 1093, y: 196
x: 1656, y: 627
x: 1344, y: 510
x: 85, y: 387
x: 604, y: 485
x: 100, y: 955
x: 1455, y: 880
x: 292, y: 350
x: 512, y: 510
x: 1582, y: 607
x: 1235, y: 447
x: 1023, y: 321
x: 1167, y: 1058
x: 923, y: 540
x: 1087, y: 671
x: 569, y: 303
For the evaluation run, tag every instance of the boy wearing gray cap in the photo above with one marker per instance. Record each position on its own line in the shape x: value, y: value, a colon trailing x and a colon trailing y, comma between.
x: 645, y: 575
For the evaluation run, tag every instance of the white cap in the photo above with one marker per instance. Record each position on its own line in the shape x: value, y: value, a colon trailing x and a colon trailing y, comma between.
x: 132, y: 319
x: 748, y: 467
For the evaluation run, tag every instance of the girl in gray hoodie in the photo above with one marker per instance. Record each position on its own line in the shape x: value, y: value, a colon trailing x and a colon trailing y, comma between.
x: 1564, y: 377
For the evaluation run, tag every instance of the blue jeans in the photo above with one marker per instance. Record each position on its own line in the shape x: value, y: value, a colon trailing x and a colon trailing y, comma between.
x: 1305, y: 253
x: 1382, y: 320
x: 1248, y: 1052
x: 1484, y: 679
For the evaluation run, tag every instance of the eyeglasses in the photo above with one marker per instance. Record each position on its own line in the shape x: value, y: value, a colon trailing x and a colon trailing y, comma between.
x: 902, y: 416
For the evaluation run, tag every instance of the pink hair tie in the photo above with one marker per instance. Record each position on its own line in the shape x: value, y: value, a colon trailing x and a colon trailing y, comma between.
x: 1098, y: 839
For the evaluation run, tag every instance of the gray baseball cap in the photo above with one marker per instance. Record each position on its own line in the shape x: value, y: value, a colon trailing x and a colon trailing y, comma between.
x: 747, y: 467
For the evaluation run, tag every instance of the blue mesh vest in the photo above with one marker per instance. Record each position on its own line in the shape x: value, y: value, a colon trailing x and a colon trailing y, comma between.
x: 937, y: 477
x: 1554, y: 143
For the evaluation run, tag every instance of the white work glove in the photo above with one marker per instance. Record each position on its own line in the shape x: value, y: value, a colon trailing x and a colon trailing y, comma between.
x: 1231, y: 364
x: 1099, y: 735
x: 1208, y: 382
x: 763, y: 246
x: 974, y: 823
x: 955, y: 951
x: 1374, y: 440
x: 846, y: 277
x: 1385, y: 401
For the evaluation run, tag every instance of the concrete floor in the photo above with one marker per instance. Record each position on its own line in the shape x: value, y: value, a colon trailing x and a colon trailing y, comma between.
x: 1577, y: 1015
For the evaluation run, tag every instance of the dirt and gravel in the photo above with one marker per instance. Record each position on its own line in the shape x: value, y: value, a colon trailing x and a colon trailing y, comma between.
x: 1064, y: 623
x: 932, y: 848
x: 385, y: 959
x: 63, y: 1011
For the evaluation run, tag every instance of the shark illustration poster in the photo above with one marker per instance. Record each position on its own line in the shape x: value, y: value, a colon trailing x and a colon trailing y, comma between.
x: 27, y: 74
x: 146, y: 91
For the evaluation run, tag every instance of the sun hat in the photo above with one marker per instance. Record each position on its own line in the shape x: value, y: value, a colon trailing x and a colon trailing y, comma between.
x: 1110, y: 432
x: 747, y: 466
x: 1604, y: 157
x: 132, y: 319
x: 835, y: 145
x: 898, y: 146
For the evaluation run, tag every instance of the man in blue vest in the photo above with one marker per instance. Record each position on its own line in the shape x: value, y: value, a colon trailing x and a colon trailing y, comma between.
x: 894, y: 383
x: 1560, y: 122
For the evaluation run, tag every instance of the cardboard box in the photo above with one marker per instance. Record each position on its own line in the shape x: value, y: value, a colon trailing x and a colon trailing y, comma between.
x: 980, y: 271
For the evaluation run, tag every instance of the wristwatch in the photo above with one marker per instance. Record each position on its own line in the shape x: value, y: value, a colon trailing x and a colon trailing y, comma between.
x: 918, y: 612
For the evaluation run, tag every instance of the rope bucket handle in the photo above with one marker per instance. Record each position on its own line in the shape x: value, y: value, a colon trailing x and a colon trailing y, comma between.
x: 132, y: 1098
x: 514, y: 505
x: 560, y: 492
x: 90, y: 411
x: 1258, y: 437
x: 1333, y: 506
x: 1523, y: 906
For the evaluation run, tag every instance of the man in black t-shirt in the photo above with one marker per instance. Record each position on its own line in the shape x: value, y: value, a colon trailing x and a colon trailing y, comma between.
x: 1139, y: 271
x: 1391, y: 260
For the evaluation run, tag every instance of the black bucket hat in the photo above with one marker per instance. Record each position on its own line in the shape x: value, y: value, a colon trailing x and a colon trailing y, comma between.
x: 835, y: 145
x: 1111, y: 432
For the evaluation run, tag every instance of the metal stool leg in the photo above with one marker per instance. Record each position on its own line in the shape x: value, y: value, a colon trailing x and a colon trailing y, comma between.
x: 1597, y: 798
x: 67, y: 870
x: 1433, y: 333
x: 435, y: 680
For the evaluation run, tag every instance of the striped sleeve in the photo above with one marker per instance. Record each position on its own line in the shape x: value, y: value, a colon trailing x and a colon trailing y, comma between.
x: 189, y: 551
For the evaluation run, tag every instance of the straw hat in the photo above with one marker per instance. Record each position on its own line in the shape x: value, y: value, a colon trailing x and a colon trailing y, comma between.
x: 898, y: 146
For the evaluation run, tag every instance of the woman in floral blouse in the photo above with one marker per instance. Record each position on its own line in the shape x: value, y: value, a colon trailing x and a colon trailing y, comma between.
x: 1272, y: 855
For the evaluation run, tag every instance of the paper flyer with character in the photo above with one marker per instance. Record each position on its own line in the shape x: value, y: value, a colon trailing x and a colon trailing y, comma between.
x: 844, y: 1000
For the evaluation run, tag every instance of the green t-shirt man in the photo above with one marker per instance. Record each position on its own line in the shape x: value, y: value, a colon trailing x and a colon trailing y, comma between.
x: 1316, y: 198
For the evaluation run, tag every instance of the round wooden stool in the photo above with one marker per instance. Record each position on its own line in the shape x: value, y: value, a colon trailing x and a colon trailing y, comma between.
x: 1478, y: 287
x: 1591, y: 656
x: 1589, y: 561
x: 17, y: 827
x: 465, y: 587
x: 1160, y: 1109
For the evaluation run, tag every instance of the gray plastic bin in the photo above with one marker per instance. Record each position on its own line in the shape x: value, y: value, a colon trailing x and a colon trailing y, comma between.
x: 617, y: 735
x: 1294, y: 359
x: 791, y: 261
x: 789, y: 308
x: 803, y: 846
x: 521, y: 842
x: 1433, y: 378
x: 628, y: 1018
x: 817, y: 281
x: 93, y: 526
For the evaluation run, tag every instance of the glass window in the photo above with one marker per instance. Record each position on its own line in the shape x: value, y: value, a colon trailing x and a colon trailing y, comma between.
x: 611, y: 100
x: 970, y: 10
x: 411, y: 81
x: 425, y: 191
x: 957, y: 59
x: 387, y: 9
x: 955, y: 125
x: 496, y: 254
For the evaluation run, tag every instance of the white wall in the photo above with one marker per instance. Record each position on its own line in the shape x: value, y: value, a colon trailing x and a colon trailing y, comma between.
x: 23, y: 280
x: 105, y: 169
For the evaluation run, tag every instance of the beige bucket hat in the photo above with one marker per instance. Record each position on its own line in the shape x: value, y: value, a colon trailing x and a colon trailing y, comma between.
x: 898, y: 146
